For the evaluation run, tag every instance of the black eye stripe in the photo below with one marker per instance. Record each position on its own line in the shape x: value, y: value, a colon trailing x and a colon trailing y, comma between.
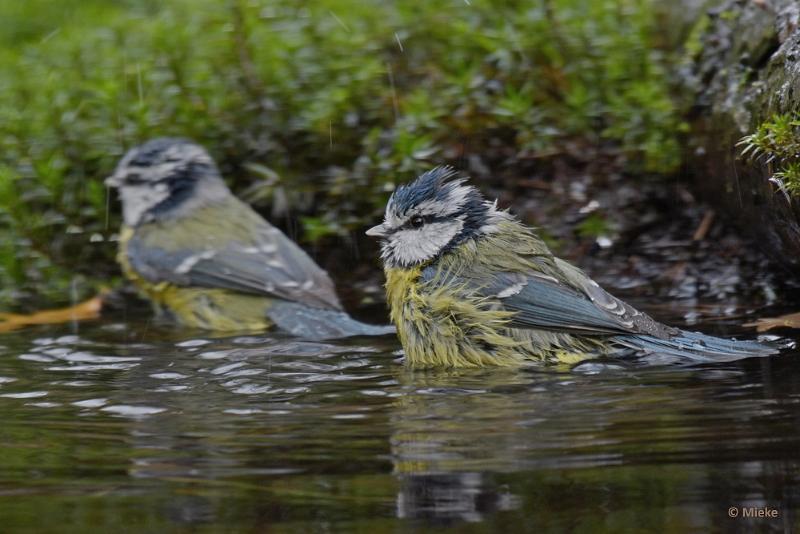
x: 426, y: 219
x: 134, y: 179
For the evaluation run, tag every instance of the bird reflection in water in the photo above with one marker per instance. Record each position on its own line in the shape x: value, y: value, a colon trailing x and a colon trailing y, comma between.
x: 439, y: 467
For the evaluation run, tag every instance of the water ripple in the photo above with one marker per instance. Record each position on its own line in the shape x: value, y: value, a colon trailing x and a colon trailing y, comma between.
x: 132, y: 411
x: 255, y: 419
x: 25, y: 395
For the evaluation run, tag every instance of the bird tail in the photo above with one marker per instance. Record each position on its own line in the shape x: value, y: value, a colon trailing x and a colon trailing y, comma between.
x: 697, y: 348
x: 316, y: 323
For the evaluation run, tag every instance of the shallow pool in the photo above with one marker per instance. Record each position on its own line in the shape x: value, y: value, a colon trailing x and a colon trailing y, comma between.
x: 113, y: 426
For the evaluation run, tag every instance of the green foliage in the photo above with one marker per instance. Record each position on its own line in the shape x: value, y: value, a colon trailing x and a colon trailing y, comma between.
x: 315, y: 109
x: 694, y: 41
x: 595, y: 225
x: 776, y: 142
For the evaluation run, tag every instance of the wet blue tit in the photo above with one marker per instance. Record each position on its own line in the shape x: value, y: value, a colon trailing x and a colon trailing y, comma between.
x: 468, y: 285
x: 208, y: 260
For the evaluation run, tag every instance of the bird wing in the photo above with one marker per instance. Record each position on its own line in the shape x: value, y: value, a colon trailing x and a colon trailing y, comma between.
x: 229, y: 246
x: 567, y: 301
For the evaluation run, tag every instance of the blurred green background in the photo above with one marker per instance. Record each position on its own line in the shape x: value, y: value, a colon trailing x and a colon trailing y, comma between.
x: 313, y: 110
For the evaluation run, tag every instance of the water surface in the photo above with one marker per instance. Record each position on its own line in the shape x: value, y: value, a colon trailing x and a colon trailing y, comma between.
x: 112, y: 426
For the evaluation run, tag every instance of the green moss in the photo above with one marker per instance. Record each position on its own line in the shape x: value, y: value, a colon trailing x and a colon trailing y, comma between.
x: 336, y: 100
x: 776, y: 142
x: 788, y: 178
x: 693, y: 45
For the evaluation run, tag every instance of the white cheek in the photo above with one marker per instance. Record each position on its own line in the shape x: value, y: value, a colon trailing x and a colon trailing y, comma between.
x: 408, y: 247
x: 137, y: 200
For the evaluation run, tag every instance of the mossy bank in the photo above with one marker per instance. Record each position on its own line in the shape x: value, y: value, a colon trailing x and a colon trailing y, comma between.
x: 743, y: 69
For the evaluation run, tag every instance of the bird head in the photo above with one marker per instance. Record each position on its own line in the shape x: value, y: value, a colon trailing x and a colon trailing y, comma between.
x: 158, y: 178
x: 431, y: 215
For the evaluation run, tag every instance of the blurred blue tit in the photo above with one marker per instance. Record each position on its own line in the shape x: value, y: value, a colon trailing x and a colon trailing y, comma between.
x: 468, y: 285
x: 208, y: 260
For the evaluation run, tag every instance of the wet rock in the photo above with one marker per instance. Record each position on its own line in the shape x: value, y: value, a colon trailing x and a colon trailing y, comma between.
x: 745, y: 68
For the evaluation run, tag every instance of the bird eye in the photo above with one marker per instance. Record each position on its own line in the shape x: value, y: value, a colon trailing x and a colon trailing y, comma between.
x: 416, y: 221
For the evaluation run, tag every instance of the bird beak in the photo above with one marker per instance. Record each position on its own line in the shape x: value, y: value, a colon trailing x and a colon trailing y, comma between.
x: 378, y: 231
x: 113, y: 181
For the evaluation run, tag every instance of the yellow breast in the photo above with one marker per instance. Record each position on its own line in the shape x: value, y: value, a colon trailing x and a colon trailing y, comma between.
x: 444, y: 327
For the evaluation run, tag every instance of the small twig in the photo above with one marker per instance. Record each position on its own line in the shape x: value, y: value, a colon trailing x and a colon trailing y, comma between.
x: 705, y: 226
x: 89, y: 309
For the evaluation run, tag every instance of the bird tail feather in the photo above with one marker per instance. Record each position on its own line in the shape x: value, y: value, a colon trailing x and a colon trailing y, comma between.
x: 315, y: 323
x: 697, y: 347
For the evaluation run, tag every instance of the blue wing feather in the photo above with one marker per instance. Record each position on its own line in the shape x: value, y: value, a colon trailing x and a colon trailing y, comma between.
x: 542, y: 302
x: 545, y: 304
x: 244, y: 254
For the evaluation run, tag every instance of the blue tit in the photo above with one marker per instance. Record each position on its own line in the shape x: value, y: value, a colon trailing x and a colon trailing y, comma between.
x: 208, y: 260
x: 468, y: 285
